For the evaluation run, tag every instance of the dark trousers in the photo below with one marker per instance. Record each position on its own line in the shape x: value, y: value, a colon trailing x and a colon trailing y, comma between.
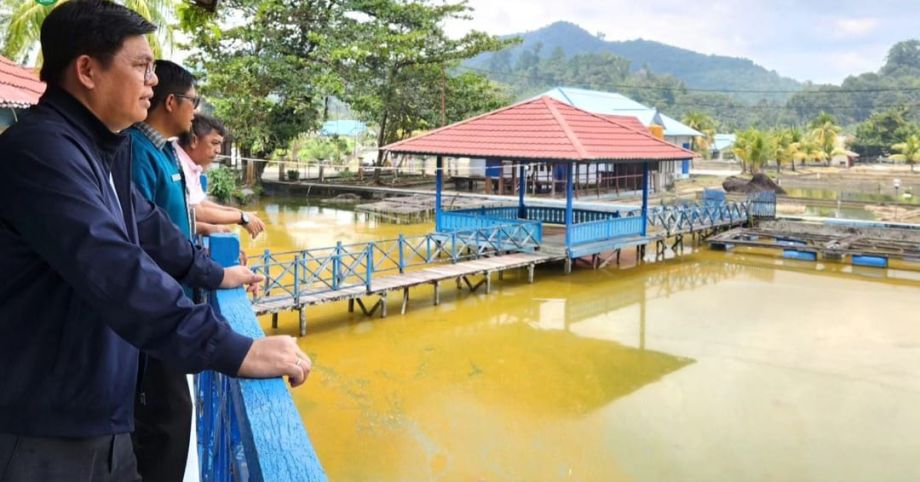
x: 97, y: 459
x: 162, y: 424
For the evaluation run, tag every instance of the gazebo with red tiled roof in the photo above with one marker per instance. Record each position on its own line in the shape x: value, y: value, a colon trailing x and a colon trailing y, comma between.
x: 547, y: 130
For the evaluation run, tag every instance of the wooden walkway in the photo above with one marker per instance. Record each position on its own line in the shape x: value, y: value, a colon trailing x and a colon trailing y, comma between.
x: 381, y: 287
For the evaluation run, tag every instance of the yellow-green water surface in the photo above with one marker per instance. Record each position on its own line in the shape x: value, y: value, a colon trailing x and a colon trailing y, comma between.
x: 711, y: 367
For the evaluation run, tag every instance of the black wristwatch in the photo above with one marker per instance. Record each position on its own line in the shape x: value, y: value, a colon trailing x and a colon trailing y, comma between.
x: 244, y: 218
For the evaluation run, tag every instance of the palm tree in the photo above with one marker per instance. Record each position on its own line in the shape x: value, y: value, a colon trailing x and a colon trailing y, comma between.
x: 705, y: 124
x: 26, y: 19
x: 825, y: 130
x: 754, y: 148
x: 809, y: 149
x: 786, y: 144
x: 909, y: 151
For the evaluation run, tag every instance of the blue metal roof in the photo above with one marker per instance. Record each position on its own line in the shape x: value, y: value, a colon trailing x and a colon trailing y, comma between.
x: 601, y: 102
x: 343, y: 128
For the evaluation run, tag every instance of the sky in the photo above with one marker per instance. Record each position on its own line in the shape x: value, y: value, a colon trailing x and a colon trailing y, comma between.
x: 818, y: 40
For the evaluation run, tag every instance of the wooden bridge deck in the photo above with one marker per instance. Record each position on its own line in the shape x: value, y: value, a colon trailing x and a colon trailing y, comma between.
x: 433, y: 275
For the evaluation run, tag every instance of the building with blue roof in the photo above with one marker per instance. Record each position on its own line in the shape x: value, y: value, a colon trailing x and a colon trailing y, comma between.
x: 612, y: 103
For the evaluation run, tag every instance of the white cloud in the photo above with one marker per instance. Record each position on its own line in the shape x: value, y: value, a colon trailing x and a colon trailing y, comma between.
x: 855, y: 27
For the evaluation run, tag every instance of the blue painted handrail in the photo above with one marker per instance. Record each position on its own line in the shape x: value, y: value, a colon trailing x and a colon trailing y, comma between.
x: 605, y: 229
x: 317, y: 270
x: 248, y: 430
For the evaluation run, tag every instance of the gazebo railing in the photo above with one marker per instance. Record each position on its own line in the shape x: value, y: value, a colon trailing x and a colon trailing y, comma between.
x: 545, y: 214
x: 605, y: 229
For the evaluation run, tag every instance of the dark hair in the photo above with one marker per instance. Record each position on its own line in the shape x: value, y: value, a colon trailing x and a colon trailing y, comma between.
x: 173, y: 79
x: 202, y: 126
x: 86, y: 27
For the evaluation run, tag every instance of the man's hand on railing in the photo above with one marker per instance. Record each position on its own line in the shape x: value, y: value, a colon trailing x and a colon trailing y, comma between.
x: 236, y: 276
x: 276, y: 356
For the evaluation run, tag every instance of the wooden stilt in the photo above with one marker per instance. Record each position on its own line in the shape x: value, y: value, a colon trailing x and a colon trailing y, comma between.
x: 488, y: 282
x: 351, y: 305
x: 405, y: 300
x: 383, y: 304
x: 568, y: 265
x: 275, y: 320
x: 302, y: 315
x: 530, y: 269
x: 437, y: 293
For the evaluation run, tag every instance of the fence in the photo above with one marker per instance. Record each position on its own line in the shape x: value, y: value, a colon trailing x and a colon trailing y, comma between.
x: 295, y: 273
x: 248, y: 430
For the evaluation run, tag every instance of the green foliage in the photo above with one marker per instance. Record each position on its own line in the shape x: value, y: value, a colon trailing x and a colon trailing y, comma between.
x: 306, y: 147
x: 694, y: 69
x: 701, y: 122
x: 909, y: 150
x: 26, y: 17
x: 877, y: 134
x: 393, y: 64
x: 222, y: 183
x: 754, y: 148
x: 267, y: 77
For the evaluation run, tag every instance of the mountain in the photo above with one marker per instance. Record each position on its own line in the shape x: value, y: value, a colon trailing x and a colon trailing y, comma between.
x: 696, y: 70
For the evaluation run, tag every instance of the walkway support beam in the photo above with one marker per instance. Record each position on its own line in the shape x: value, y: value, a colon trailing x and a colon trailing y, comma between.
x: 522, y: 188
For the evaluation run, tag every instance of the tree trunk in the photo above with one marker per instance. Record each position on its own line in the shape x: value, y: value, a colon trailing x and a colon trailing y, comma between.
x: 380, y: 143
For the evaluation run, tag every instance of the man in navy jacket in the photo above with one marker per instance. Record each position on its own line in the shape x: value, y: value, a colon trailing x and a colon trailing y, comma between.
x: 91, y: 268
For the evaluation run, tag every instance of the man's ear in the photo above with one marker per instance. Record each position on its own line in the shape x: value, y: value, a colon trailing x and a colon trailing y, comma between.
x: 169, y: 103
x: 87, y: 70
x: 193, y: 142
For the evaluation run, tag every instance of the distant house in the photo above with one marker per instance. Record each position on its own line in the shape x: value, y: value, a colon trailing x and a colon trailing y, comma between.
x: 722, y: 145
x: 19, y: 90
x: 611, y: 103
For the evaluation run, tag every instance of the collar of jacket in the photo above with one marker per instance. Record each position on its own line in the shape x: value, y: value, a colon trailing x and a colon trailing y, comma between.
x: 84, y: 120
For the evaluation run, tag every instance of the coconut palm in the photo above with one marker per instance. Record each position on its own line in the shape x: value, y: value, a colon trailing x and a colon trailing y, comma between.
x: 824, y: 128
x: 809, y: 149
x: 754, y: 148
x: 909, y: 151
x: 786, y: 144
x: 26, y: 17
x: 701, y: 122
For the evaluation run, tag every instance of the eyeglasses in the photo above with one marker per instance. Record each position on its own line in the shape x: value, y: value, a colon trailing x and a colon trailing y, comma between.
x: 194, y: 99
x: 150, y: 71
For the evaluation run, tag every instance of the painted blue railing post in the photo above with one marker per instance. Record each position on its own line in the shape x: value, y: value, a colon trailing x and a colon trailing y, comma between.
x: 401, y: 243
x: 569, y: 213
x: 370, y: 264
x: 438, y: 185
x: 453, y: 246
x: 248, y: 429
x: 644, y: 198
x: 266, y: 264
x: 337, y: 266
x: 297, y: 280
x: 522, y: 188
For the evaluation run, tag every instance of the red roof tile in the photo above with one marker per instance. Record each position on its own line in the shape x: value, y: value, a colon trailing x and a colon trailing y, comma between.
x: 543, y: 129
x: 19, y: 86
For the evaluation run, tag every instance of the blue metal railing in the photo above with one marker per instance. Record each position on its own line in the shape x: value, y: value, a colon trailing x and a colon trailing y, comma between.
x: 548, y: 215
x: 318, y: 270
x: 606, y: 229
x: 248, y: 430
x: 677, y: 218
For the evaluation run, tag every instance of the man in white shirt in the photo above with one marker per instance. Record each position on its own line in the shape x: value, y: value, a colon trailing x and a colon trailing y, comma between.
x: 196, y: 150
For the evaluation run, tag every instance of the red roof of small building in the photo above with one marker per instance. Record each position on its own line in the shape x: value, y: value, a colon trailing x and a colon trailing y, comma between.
x: 19, y: 86
x: 543, y: 129
x: 628, y: 121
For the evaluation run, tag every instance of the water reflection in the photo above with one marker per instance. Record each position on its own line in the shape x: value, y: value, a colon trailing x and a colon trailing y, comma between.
x: 714, y: 366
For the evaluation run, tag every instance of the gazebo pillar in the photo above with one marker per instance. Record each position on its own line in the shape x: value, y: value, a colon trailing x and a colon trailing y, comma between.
x: 645, y: 198
x: 569, y: 211
x: 522, y: 188
x: 438, y: 182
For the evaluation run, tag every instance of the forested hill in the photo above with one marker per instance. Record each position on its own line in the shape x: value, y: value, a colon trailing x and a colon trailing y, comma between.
x: 696, y: 70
